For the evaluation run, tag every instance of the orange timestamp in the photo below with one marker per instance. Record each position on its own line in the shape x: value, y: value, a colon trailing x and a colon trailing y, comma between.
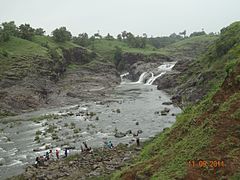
x: 205, y: 164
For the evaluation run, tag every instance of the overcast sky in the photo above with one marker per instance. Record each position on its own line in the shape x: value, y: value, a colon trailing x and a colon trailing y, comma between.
x: 154, y: 17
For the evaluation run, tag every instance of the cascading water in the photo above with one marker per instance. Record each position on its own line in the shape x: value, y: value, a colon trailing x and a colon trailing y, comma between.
x: 141, y: 78
x: 152, y: 79
x: 123, y: 75
x: 161, y: 70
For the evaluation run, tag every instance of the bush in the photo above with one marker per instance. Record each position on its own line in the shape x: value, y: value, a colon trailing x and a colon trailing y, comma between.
x: 61, y: 34
x: 230, y: 66
x: 26, y: 31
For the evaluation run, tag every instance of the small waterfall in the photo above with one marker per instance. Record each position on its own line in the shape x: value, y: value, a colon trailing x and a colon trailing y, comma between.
x: 123, y: 75
x: 141, y: 78
x: 161, y: 70
x: 152, y: 79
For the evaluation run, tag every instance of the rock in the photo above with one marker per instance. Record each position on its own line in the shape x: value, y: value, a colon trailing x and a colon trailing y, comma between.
x: 173, y: 114
x: 129, y: 132
x: 177, y: 99
x: 120, y: 134
x: 165, y: 129
x: 70, y: 94
x: 137, y: 148
x: 139, y: 131
x: 166, y: 110
x: 70, y: 113
x: 94, y: 173
x: 163, y: 113
x: 95, y: 166
x: 99, y: 103
x: 50, y: 176
x: 137, y: 123
x: 2, y: 161
x: 156, y: 112
x: 41, y: 176
x: 71, y: 163
x: 167, y: 103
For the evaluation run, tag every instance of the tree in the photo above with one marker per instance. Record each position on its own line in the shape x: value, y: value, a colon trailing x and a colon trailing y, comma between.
x: 124, y: 34
x: 200, y: 33
x: 109, y: 37
x: 145, y: 35
x: 82, y: 39
x: 183, y: 33
x: 97, y: 36
x: 39, y: 31
x: 61, y: 34
x: 8, y: 29
x: 26, y: 31
x: 3, y: 35
x: 119, y: 37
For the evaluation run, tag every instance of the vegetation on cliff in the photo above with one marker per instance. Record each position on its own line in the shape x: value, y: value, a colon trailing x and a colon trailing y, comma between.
x: 205, y: 132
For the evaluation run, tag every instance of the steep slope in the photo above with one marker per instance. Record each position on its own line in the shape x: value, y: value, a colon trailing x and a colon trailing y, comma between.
x: 32, y: 73
x: 205, y: 141
x: 198, y: 77
x: 137, y: 61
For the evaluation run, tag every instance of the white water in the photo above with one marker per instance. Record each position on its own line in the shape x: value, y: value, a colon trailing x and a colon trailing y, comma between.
x: 153, y: 78
x: 123, y: 75
x: 142, y: 77
x: 139, y: 104
x: 161, y: 70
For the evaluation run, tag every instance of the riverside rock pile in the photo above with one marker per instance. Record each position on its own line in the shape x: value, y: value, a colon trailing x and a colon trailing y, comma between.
x: 85, y: 165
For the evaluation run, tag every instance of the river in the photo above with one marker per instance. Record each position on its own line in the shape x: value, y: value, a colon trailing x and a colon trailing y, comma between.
x: 132, y: 106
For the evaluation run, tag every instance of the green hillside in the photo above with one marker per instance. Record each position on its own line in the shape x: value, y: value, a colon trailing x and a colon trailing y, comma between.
x: 207, y: 131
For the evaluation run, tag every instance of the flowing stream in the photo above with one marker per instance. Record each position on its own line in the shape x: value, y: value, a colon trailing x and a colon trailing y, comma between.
x: 132, y: 106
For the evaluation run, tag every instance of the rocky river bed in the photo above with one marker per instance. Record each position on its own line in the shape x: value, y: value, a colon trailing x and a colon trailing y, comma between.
x: 130, y: 109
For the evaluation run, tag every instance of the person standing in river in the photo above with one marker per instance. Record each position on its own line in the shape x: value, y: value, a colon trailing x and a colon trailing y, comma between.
x: 66, y: 153
x: 138, y: 141
x: 57, y: 153
x: 47, y: 155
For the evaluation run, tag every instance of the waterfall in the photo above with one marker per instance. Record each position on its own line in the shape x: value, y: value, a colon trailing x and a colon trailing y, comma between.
x: 152, y: 79
x: 141, y: 78
x: 123, y: 75
x: 161, y: 70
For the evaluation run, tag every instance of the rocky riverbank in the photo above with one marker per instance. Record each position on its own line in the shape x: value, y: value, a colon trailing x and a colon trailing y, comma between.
x: 42, y: 82
x: 99, y: 163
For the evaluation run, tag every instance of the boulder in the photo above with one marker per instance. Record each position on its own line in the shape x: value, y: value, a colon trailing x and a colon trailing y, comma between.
x: 120, y: 134
x: 167, y: 103
x: 129, y: 132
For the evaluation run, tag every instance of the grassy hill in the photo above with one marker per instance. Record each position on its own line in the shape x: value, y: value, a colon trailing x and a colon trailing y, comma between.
x: 208, y: 131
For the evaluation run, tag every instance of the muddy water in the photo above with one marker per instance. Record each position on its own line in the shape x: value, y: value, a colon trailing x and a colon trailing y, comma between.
x: 137, y: 104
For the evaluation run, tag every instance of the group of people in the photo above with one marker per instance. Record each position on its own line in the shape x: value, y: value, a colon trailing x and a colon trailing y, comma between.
x: 49, y: 156
x: 85, y: 148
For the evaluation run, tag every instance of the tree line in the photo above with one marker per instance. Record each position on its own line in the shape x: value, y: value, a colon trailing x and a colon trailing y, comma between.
x: 25, y: 31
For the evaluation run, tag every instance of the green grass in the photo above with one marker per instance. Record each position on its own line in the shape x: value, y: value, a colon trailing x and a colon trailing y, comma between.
x: 20, y: 47
x: 189, y: 44
x: 46, y: 41
x: 106, y: 48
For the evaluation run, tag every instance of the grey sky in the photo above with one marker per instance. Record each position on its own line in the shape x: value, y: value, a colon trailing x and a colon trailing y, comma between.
x: 154, y: 17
